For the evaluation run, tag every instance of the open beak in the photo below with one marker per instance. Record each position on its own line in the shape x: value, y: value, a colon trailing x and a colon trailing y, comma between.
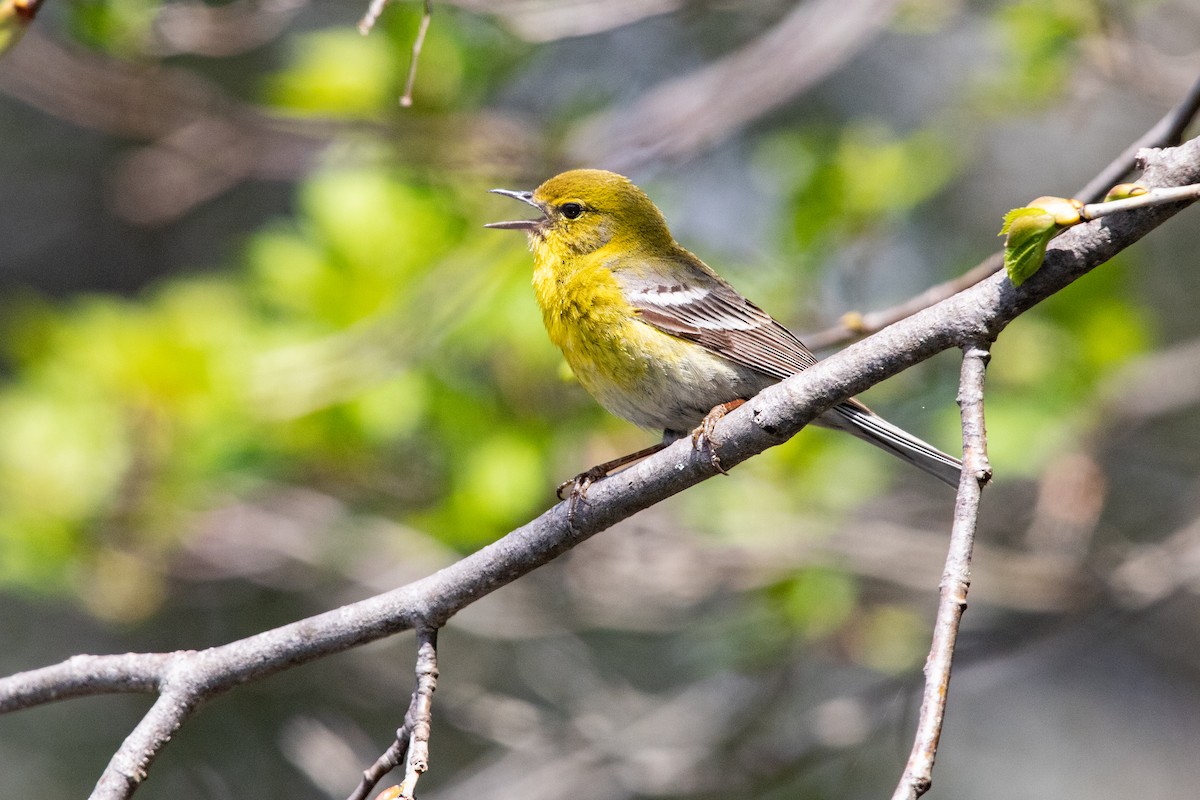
x: 518, y: 224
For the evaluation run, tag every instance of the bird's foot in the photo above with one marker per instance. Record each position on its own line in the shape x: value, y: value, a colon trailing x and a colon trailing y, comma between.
x: 580, y: 483
x: 575, y: 490
x: 702, y: 437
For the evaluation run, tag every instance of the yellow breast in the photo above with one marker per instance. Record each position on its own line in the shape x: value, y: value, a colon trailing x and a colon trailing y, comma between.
x: 589, y: 320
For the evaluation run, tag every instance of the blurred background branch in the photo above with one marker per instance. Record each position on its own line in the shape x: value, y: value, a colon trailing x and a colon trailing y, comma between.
x: 684, y: 116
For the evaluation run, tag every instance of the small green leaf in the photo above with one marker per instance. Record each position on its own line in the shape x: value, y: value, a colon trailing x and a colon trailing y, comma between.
x: 1029, y: 230
x: 1015, y: 214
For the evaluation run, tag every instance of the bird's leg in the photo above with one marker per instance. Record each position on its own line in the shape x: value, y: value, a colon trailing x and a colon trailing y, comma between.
x: 580, y: 483
x: 703, y: 435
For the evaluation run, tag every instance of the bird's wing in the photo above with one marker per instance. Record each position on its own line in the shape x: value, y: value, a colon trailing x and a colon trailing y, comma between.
x: 696, y: 304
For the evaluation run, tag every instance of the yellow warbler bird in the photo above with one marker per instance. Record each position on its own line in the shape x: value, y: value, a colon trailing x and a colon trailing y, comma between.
x: 654, y: 334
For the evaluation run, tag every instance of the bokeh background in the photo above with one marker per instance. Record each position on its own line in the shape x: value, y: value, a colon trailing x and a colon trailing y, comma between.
x: 259, y: 358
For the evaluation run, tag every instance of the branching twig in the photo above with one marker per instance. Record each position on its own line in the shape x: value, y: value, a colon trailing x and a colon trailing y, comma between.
x: 421, y: 710
x: 955, y: 579
x: 411, y: 746
x: 854, y: 325
x: 1167, y: 132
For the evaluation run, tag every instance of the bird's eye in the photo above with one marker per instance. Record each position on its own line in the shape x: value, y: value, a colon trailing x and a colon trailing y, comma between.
x: 571, y: 210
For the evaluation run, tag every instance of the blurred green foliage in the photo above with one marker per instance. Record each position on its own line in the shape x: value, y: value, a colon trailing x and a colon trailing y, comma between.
x: 1046, y: 368
x: 858, y: 178
x: 118, y: 27
x: 1040, y: 41
x: 815, y: 601
x: 336, y: 73
x: 364, y: 338
x: 379, y: 346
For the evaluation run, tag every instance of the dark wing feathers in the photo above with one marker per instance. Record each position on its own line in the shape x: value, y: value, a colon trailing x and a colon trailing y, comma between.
x: 712, y: 314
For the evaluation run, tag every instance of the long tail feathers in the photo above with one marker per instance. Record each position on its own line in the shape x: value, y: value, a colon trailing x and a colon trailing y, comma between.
x: 857, y: 419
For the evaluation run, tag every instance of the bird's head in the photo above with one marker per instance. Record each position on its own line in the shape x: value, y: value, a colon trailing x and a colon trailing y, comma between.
x: 586, y: 209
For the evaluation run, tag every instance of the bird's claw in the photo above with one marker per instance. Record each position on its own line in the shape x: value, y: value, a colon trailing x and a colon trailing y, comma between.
x: 579, y: 484
x: 703, y: 438
x: 578, y: 489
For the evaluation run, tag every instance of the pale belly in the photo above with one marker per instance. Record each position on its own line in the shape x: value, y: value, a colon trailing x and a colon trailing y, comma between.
x: 659, y: 382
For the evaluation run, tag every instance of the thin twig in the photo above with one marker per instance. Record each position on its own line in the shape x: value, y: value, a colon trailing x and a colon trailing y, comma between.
x: 422, y: 712
x: 374, y: 11
x: 411, y: 746
x: 1152, y: 197
x: 853, y: 325
x: 406, y: 99
x: 1167, y: 132
x: 387, y: 762
x: 956, y: 578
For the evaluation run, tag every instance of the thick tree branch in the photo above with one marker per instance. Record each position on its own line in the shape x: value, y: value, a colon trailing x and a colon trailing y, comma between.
x: 81, y: 676
x: 778, y: 413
